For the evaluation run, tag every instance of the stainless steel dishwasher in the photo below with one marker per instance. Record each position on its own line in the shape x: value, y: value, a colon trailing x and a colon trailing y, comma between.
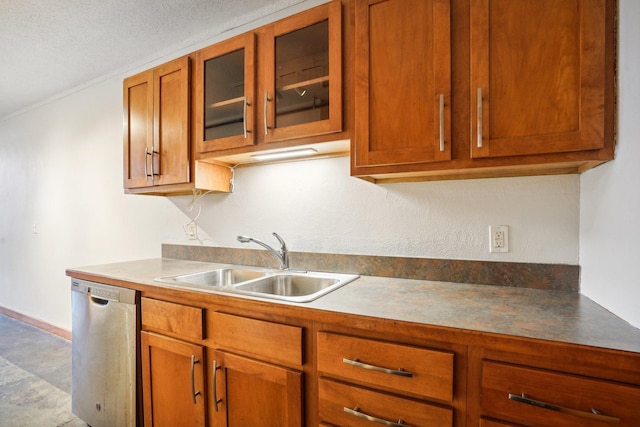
x: 103, y: 373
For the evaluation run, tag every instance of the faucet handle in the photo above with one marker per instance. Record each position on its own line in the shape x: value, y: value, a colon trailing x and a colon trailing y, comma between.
x: 282, y: 243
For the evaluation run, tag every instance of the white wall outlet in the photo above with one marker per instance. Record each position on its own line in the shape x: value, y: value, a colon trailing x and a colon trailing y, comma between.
x: 191, y: 230
x: 499, y: 238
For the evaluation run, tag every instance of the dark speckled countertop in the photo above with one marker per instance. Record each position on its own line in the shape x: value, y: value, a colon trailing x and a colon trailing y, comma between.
x: 532, y: 313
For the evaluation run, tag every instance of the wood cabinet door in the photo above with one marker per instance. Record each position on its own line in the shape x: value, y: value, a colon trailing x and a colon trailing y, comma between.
x: 171, y: 123
x: 403, y: 82
x: 138, y: 129
x: 225, y: 102
x: 172, y: 381
x: 537, y: 76
x: 301, y: 75
x: 249, y: 393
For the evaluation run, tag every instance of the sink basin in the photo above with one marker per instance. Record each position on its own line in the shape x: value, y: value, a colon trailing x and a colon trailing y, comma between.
x: 218, y: 278
x: 295, y: 287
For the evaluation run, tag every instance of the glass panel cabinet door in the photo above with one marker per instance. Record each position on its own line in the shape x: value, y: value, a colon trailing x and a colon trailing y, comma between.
x: 303, y: 75
x: 224, y: 102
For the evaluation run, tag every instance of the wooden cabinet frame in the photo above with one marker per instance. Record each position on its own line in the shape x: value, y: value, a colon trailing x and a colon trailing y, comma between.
x: 263, y: 394
x: 566, y: 104
x: 173, y: 383
x: 332, y: 12
x: 248, y: 43
x: 574, y: 143
x: 403, y: 82
x: 156, y: 126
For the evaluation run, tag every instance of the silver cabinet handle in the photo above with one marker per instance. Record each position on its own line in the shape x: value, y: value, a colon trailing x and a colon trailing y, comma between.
x: 479, y: 125
x: 215, y: 385
x: 244, y: 117
x: 148, y: 153
x: 266, y: 102
x: 194, y: 393
x: 356, y: 411
x: 146, y: 161
x: 594, y: 414
x: 441, y: 122
x: 355, y: 362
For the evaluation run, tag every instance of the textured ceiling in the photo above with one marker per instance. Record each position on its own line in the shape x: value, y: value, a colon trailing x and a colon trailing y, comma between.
x: 50, y: 47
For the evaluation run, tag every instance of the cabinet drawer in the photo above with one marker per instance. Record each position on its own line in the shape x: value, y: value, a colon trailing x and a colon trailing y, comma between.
x: 431, y: 371
x: 179, y: 319
x: 557, y: 399
x: 345, y: 405
x: 272, y: 342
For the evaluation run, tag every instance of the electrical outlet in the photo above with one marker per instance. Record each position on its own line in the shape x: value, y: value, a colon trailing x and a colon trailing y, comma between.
x: 499, y: 238
x: 191, y: 230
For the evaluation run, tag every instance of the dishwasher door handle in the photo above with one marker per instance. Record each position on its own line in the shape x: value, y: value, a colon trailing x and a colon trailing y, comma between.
x: 99, y: 301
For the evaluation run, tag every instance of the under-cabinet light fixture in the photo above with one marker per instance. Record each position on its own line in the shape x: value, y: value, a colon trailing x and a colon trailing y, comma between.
x: 284, y: 154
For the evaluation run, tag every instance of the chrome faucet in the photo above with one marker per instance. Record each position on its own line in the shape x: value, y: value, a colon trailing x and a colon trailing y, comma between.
x: 282, y: 256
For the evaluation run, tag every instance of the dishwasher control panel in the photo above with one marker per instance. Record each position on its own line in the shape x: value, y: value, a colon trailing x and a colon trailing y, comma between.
x: 102, y: 291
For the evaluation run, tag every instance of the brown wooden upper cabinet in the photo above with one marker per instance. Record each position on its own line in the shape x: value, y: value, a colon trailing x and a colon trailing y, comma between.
x: 537, y: 76
x: 448, y: 89
x: 403, y: 82
x: 225, y: 109
x: 156, y: 137
x: 280, y: 82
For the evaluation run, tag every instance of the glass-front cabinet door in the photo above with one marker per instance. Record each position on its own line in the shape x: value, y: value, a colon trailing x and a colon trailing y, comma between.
x: 302, y: 93
x: 225, y: 104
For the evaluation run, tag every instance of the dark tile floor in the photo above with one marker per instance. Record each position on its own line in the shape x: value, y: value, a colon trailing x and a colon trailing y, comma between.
x: 35, y: 377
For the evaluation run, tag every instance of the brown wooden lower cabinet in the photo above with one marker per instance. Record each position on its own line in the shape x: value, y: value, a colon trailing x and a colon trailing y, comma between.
x: 416, y: 371
x: 251, y: 393
x: 537, y: 397
x: 288, y: 367
x: 172, y: 381
x: 347, y: 405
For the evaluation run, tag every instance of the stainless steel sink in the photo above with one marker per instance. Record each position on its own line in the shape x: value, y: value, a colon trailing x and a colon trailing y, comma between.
x: 217, y: 278
x: 295, y: 287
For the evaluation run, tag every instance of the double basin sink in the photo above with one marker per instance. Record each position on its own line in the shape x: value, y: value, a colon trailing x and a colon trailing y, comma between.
x: 287, y: 285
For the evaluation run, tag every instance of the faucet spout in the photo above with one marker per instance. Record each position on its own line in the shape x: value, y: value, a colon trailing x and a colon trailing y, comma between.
x: 282, y: 256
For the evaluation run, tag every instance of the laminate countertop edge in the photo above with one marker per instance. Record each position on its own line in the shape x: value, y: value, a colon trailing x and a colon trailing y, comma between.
x: 559, y: 316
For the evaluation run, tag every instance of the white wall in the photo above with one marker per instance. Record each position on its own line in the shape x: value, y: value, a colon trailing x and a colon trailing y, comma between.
x: 610, y: 194
x: 61, y: 172
x: 317, y: 207
x: 61, y: 169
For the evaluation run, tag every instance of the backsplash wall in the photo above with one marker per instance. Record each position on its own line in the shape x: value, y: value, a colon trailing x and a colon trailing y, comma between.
x: 317, y: 207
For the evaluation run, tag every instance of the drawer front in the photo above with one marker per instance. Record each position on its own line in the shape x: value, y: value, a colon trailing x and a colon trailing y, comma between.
x: 357, y: 359
x: 272, y: 342
x: 345, y: 405
x: 178, y: 319
x: 537, y: 397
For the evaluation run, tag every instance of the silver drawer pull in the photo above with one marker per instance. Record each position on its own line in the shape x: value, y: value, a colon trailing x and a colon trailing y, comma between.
x: 355, y: 362
x: 479, y: 124
x: 216, y: 401
x: 441, y: 122
x: 194, y: 393
x: 356, y: 411
x: 594, y: 414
